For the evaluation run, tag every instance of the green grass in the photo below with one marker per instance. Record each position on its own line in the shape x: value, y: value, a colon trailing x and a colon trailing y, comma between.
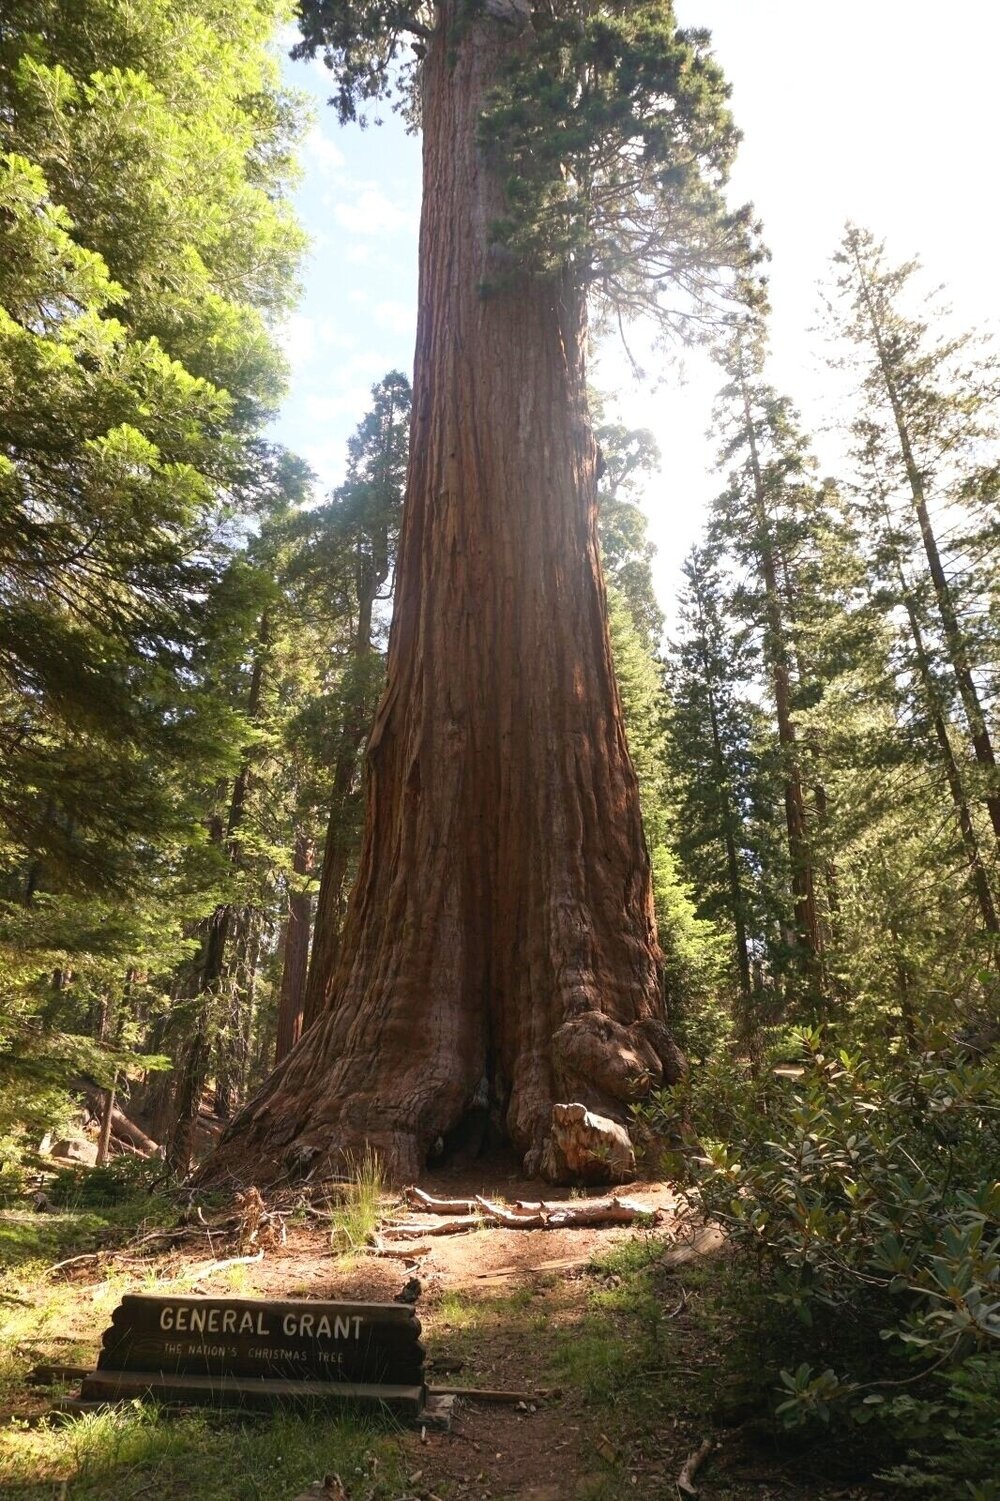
x: 72, y: 1230
x: 139, y: 1452
x: 355, y: 1219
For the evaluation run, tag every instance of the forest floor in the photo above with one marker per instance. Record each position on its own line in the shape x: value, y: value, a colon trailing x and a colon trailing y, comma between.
x: 623, y: 1327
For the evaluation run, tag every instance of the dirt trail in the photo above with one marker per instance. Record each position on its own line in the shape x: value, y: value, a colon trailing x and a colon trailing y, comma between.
x: 520, y: 1310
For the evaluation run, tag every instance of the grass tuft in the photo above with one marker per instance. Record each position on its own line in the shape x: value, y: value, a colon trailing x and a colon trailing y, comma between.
x: 355, y: 1219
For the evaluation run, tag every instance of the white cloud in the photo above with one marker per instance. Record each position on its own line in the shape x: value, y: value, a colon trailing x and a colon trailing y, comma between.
x: 372, y: 213
x: 298, y: 339
x: 397, y: 317
x: 328, y: 461
x: 332, y: 336
x: 329, y: 408
x: 322, y: 153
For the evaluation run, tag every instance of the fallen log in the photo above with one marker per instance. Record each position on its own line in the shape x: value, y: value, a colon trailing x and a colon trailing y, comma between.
x: 454, y: 1226
x: 703, y: 1241
x: 510, y: 1219
x: 122, y: 1128
x: 610, y: 1212
x: 223, y: 1266
x: 417, y: 1199
x: 405, y: 1252
x: 523, y: 1215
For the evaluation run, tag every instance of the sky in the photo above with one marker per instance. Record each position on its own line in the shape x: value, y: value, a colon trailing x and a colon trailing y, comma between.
x: 878, y: 111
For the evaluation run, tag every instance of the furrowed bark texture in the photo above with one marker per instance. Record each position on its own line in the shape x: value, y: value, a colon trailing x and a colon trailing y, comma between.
x: 499, y: 948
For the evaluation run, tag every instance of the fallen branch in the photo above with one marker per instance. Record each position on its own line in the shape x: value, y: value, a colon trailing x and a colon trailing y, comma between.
x: 47, y: 1375
x: 222, y: 1266
x: 681, y: 1305
x: 405, y: 1252
x: 500, y: 1398
x: 417, y: 1199
x: 559, y: 1264
x: 567, y: 1214
x: 691, y: 1466
x: 454, y: 1226
x: 72, y: 1261
x: 510, y: 1219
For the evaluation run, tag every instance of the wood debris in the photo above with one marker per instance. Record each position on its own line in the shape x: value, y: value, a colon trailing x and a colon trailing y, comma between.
x: 467, y: 1214
x: 691, y: 1466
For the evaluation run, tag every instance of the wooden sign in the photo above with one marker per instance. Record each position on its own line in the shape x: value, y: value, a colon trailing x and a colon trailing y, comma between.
x: 248, y: 1351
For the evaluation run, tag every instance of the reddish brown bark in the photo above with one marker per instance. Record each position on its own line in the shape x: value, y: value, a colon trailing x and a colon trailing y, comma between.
x: 499, y: 945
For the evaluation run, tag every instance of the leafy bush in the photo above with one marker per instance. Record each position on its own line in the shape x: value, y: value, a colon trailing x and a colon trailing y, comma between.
x: 863, y: 1196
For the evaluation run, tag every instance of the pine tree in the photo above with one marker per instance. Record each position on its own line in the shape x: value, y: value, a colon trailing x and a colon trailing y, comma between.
x: 927, y: 416
x: 146, y: 244
x: 142, y: 162
x: 354, y: 543
x: 760, y: 518
x: 712, y: 730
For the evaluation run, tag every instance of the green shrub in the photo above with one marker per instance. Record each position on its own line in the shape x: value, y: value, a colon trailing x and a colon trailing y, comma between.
x: 862, y: 1198
x: 116, y: 1182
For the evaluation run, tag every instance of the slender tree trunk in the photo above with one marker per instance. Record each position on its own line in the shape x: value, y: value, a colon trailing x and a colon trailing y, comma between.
x: 955, y: 642
x: 107, y: 1111
x: 500, y: 940
x: 978, y: 878
x: 197, y: 1061
x: 970, y: 842
x: 291, y: 1001
x: 808, y: 933
x: 340, y: 845
x: 187, y: 1099
x: 736, y: 898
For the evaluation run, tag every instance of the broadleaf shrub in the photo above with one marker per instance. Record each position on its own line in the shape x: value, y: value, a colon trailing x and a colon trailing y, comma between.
x: 861, y: 1196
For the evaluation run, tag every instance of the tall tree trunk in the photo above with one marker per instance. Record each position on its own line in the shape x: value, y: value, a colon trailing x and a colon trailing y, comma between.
x: 107, y: 1113
x: 807, y: 927
x: 737, y: 901
x: 197, y: 1061
x: 291, y: 1001
x: 970, y: 841
x: 954, y: 636
x: 978, y: 878
x: 500, y: 940
x: 339, y: 847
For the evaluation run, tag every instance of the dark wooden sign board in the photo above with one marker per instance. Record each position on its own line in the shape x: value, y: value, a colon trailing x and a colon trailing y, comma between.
x: 249, y: 1352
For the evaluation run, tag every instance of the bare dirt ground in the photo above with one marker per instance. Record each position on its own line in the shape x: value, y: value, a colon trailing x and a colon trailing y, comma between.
x: 521, y: 1310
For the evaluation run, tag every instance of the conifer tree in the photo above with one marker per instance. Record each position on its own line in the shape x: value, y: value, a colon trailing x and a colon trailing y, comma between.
x: 927, y: 416
x: 145, y: 243
x: 499, y: 941
x: 712, y: 730
x: 353, y: 546
x: 758, y: 518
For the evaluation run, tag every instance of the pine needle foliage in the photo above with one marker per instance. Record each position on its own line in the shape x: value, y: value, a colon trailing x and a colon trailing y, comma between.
x: 610, y: 126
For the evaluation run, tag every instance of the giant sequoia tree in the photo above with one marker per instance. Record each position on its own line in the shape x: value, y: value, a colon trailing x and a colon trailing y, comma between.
x: 499, y: 951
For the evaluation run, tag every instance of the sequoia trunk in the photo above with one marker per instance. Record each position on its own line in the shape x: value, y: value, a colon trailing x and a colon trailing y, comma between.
x: 499, y: 949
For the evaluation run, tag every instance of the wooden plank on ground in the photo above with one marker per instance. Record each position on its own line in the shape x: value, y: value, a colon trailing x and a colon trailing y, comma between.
x: 235, y: 1391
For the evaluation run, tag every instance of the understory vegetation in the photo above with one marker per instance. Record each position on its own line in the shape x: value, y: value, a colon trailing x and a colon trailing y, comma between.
x: 193, y: 643
x: 862, y: 1213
